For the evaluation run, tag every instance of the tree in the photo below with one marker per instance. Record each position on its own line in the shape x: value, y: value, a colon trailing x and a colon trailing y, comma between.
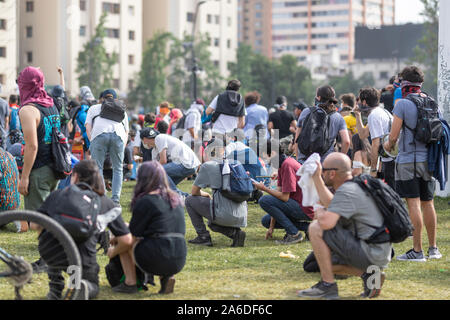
x: 95, y: 67
x: 150, y: 89
x: 426, y: 53
x: 349, y: 84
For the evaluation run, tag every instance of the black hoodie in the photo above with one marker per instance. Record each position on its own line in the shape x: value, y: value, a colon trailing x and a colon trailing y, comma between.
x: 230, y: 103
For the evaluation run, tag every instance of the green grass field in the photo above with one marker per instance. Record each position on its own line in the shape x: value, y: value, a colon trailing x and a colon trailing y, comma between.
x: 256, y: 272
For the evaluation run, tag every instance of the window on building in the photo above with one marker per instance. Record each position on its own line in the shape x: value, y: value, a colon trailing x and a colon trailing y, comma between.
x: 82, y: 31
x: 130, y: 84
x: 216, y: 42
x: 217, y: 19
x: 216, y: 63
x: 229, y: 44
x: 2, y: 78
x: 82, y: 5
x: 29, y: 57
x: 258, y: 15
x: 29, y: 6
x: 2, y: 24
x: 2, y: 52
x: 109, y: 7
x: 229, y: 21
x: 113, y: 33
x: 190, y: 17
x: 132, y: 35
x: 29, y: 31
x: 209, y: 18
x: 131, y: 10
x: 116, y: 83
x: 131, y: 59
x: 258, y: 6
x: 384, y: 75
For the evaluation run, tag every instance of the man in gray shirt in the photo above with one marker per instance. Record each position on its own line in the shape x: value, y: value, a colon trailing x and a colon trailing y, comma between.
x: 339, y: 233
x: 224, y: 216
x: 413, y: 181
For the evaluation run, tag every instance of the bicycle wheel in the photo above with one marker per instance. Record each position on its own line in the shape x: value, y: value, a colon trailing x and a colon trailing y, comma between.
x: 54, y: 245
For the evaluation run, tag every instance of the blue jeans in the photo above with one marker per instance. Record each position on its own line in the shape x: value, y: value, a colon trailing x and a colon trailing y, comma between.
x: 177, y: 173
x: 112, y: 144
x: 288, y: 215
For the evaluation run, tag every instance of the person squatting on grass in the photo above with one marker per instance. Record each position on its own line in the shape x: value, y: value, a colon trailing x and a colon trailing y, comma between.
x: 87, y: 172
x: 158, y: 228
x: 338, y: 233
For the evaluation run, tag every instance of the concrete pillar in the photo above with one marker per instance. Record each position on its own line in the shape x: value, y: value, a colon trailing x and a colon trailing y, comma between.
x: 444, y: 68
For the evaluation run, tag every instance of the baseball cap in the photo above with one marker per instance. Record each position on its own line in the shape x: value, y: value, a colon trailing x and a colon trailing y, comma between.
x: 300, y: 105
x: 148, y: 133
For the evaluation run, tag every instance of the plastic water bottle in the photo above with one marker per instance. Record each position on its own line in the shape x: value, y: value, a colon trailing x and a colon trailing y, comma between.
x: 226, y: 175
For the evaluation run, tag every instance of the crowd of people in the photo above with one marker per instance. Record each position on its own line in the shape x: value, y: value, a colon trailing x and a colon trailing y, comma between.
x: 224, y: 146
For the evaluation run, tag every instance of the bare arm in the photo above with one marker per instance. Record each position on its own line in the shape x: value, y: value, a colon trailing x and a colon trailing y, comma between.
x: 163, y: 157
x: 363, y: 132
x: 61, y: 78
x: 197, y: 191
x: 241, y: 122
x: 283, y: 196
x: 374, y: 155
x: 209, y: 110
x: 293, y: 127
x: 121, y: 244
x: 324, y: 193
x: 29, y: 118
x: 395, y: 133
x: 327, y: 219
x: 345, y: 141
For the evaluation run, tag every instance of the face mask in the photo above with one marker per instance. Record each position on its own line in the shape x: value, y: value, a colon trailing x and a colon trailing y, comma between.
x: 316, y: 101
x: 146, y: 146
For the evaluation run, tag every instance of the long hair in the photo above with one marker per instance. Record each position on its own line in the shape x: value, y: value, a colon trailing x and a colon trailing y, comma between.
x: 152, y: 177
x: 88, y: 172
x: 328, y: 99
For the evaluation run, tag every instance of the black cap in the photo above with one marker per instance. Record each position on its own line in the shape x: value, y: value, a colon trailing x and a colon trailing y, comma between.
x: 300, y: 105
x: 149, y: 133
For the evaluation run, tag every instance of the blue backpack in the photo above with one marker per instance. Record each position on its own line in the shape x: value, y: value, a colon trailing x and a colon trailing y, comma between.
x: 240, y: 187
x: 14, y: 121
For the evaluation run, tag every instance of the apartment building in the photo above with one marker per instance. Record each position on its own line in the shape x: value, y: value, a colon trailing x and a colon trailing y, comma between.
x: 310, y: 28
x: 53, y: 32
x: 8, y: 47
x: 217, y: 18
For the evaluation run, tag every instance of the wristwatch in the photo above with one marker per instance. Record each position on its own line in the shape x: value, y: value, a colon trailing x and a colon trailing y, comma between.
x: 373, y: 170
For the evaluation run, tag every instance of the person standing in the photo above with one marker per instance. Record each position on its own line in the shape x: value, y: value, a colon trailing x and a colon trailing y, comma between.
x: 413, y: 181
x: 257, y: 115
x: 108, y: 137
x: 282, y: 120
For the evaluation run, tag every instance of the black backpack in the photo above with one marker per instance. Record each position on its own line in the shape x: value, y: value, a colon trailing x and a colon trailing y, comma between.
x: 314, y: 137
x: 397, y: 225
x: 429, y: 127
x: 76, y: 209
x: 113, y: 109
x: 181, y: 122
x: 62, y: 160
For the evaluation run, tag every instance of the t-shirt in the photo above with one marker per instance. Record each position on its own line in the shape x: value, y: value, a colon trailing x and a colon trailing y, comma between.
x: 380, y: 123
x: 224, y: 123
x: 282, y: 120
x: 178, y: 151
x: 193, y: 121
x: 407, y: 111
x: 350, y: 121
x: 288, y: 181
x: 88, y: 251
x: 256, y: 115
x: 357, y: 209
x: 337, y: 124
x: 102, y: 125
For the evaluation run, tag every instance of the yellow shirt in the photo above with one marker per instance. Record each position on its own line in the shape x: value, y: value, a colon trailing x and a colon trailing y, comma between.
x: 351, y: 124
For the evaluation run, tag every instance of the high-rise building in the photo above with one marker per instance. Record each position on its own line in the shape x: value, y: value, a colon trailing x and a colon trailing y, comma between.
x: 8, y: 47
x: 53, y: 32
x: 310, y: 28
x: 217, y: 18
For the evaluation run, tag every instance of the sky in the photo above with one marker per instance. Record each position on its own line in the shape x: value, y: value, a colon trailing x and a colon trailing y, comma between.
x: 408, y: 11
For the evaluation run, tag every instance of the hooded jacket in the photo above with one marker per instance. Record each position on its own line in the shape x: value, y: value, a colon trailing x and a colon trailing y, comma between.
x: 230, y: 103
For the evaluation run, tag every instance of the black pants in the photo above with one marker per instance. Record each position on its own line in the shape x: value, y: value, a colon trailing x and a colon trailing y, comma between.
x: 388, y: 173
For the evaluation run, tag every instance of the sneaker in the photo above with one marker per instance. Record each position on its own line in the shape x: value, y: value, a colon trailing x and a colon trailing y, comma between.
x: 433, y: 253
x: 320, y: 290
x: 39, y: 266
x: 291, y: 239
x: 203, y: 241
x: 124, y: 288
x: 374, y: 292
x: 239, y: 239
x: 411, y: 255
x: 83, y: 293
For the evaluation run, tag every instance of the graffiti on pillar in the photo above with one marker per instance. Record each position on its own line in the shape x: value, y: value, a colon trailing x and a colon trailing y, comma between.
x: 444, y: 81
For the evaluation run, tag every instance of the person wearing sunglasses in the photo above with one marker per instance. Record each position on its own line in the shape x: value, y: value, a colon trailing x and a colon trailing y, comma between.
x: 338, y: 233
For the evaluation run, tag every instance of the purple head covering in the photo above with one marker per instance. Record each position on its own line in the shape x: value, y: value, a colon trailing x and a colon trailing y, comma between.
x: 31, y: 88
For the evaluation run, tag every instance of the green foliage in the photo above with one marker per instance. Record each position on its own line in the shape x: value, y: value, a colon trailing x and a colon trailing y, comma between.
x: 426, y: 52
x: 349, y: 84
x: 95, y: 67
x: 272, y: 78
x: 150, y: 89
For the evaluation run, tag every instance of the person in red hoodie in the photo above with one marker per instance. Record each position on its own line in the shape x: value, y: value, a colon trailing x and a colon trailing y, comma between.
x: 284, y: 206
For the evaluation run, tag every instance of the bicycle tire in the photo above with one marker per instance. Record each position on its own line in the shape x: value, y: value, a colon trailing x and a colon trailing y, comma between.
x: 57, y: 231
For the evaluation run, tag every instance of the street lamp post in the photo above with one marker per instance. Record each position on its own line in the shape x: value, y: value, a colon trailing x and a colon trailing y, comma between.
x: 195, y: 67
